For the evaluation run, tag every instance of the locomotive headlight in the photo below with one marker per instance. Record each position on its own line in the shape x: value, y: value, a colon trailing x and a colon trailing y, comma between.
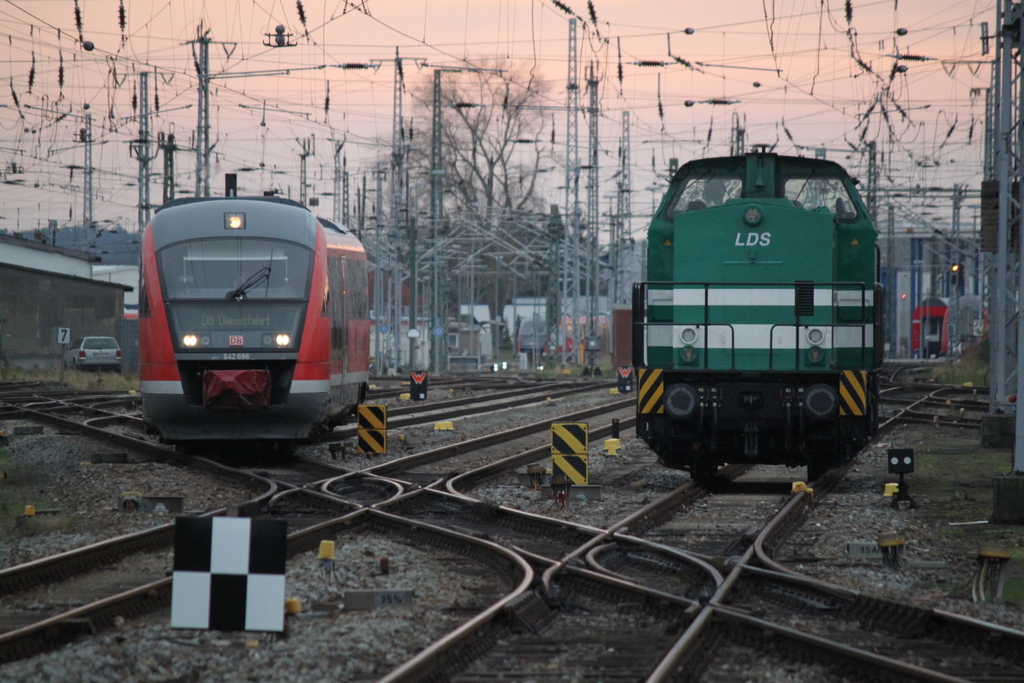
x: 753, y: 216
x: 234, y: 221
x: 688, y: 354
x: 283, y: 339
x: 815, y: 335
x: 190, y: 340
x: 815, y: 355
x: 688, y: 335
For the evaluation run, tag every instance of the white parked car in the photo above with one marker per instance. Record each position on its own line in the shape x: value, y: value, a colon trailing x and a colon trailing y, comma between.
x: 97, y: 353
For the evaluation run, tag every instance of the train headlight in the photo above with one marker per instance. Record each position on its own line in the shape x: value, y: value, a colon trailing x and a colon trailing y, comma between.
x: 753, y: 216
x: 815, y: 355
x: 234, y: 221
x: 190, y: 340
x: 283, y: 339
x: 815, y: 335
x: 688, y: 354
x: 688, y: 335
x: 821, y: 401
x: 680, y: 400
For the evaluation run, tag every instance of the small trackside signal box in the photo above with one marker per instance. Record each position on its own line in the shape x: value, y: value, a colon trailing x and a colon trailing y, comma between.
x: 625, y: 378
x: 418, y: 386
x: 901, y: 460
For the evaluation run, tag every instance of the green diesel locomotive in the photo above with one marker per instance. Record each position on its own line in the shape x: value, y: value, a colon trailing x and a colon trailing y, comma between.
x: 758, y: 333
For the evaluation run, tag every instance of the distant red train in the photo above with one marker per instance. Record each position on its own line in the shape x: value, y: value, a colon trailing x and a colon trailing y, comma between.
x: 253, y: 321
x: 929, y: 329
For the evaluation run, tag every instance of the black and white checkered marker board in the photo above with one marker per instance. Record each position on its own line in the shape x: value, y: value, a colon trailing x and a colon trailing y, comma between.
x: 229, y: 574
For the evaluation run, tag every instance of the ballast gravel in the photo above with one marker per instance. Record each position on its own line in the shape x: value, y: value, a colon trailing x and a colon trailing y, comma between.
x: 326, y: 643
x: 77, y: 502
x: 323, y: 642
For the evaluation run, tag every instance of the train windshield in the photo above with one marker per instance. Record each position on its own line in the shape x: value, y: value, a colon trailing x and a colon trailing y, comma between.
x: 816, y: 192
x: 705, y: 190
x: 235, y: 269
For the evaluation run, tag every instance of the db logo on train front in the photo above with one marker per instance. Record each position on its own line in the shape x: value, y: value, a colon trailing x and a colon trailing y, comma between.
x: 236, y: 340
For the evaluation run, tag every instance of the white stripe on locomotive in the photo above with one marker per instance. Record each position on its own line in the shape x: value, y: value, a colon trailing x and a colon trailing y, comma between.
x: 760, y: 336
x: 728, y: 296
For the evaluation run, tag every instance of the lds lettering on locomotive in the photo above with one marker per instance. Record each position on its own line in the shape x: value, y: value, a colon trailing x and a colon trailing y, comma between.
x: 753, y: 239
x: 247, y: 320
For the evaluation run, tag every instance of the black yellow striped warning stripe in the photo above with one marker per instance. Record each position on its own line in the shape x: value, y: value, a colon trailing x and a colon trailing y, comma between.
x: 569, y: 438
x: 652, y: 386
x: 372, y: 440
x: 372, y: 417
x: 575, y: 468
x: 853, y: 393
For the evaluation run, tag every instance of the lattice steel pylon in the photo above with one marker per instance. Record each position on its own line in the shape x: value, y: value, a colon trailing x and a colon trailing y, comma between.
x: 624, y: 210
x: 1005, y: 333
x: 203, y: 113
x: 593, y: 204
x: 571, y: 252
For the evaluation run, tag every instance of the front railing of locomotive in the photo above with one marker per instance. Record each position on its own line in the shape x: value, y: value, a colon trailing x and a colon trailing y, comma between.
x: 235, y: 309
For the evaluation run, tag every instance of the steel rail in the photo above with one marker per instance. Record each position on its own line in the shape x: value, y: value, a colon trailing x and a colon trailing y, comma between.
x: 421, y: 418
x: 58, y: 629
x: 427, y: 457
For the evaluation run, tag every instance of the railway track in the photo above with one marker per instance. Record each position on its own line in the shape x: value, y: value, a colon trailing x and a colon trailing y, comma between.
x: 661, y: 593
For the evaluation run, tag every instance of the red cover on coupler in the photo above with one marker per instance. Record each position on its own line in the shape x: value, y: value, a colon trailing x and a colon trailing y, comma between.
x: 236, y: 389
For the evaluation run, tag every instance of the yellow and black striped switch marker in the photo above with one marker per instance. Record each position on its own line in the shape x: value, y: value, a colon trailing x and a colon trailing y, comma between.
x: 570, y: 442
x: 372, y: 428
x: 371, y: 417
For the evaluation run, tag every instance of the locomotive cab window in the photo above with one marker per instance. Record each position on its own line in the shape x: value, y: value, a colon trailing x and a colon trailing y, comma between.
x: 814, y: 192
x: 235, y: 269
x: 704, y: 191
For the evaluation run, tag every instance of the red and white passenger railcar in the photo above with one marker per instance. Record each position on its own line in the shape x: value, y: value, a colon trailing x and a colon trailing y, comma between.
x: 253, y: 321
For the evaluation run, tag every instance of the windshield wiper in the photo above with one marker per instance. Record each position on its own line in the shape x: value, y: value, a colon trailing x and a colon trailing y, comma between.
x: 259, y: 277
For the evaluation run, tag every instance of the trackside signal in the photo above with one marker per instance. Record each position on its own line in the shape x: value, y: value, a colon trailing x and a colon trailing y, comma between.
x: 418, y: 386
x: 625, y: 378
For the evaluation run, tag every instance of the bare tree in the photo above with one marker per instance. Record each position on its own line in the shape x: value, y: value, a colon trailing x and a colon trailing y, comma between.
x: 494, y: 146
x: 492, y: 138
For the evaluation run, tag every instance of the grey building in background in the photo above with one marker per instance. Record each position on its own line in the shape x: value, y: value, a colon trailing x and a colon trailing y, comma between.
x: 44, y: 288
